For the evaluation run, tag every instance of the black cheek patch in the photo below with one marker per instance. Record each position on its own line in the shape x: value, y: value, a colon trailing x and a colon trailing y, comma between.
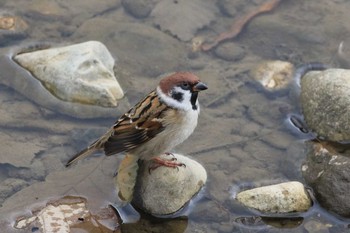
x: 177, y: 96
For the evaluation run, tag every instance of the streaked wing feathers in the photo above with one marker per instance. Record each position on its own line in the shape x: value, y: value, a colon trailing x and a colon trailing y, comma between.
x: 138, y: 125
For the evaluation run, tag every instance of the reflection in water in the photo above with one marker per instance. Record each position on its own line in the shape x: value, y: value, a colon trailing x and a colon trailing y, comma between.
x: 156, y: 225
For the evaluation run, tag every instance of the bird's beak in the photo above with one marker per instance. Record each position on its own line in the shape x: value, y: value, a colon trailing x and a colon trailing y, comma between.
x: 199, y: 87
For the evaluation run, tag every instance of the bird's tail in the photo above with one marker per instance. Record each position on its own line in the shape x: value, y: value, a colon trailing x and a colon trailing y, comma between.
x: 82, y: 154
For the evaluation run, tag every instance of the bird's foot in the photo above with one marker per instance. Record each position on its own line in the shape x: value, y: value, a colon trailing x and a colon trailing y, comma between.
x: 171, y: 154
x: 159, y: 162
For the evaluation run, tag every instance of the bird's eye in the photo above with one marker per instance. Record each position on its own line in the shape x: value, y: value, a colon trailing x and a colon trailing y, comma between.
x: 185, y: 86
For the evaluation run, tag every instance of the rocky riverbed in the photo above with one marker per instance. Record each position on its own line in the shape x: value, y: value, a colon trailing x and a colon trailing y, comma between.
x: 244, y: 139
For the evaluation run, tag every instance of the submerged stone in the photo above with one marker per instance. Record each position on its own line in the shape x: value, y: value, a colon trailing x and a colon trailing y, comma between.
x: 81, y: 73
x: 273, y: 75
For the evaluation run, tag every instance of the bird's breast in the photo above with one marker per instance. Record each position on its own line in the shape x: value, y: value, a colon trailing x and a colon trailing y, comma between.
x: 178, y: 126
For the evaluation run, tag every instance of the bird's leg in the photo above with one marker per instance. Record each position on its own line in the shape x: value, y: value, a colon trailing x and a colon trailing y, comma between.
x: 158, y: 162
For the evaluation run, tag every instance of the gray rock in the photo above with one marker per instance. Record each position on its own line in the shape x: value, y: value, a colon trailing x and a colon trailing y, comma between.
x: 137, y: 8
x: 80, y: 73
x: 166, y: 190
x: 327, y: 171
x: 230, y: 52
x: 280, y: 198
x: 325, y: 100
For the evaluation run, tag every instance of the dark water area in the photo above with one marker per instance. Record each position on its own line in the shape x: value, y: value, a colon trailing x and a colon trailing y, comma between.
x: 243, y: 139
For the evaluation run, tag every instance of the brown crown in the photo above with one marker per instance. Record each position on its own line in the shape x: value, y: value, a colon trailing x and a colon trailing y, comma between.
x: 167, y: 83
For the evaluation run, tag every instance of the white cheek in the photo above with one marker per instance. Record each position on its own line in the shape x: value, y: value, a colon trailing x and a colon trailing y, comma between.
x: 185, y: 104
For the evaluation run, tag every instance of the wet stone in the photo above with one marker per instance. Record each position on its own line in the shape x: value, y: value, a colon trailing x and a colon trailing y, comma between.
x: 166, y: 190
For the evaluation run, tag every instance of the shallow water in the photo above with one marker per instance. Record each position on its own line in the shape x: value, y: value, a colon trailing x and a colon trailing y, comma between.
x: 243, y: 138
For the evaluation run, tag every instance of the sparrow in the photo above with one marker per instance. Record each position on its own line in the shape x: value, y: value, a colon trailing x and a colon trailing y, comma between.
x: 163, y: 119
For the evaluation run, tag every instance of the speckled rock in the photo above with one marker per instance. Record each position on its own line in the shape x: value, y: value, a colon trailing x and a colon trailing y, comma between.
x: 280, y: 198
x: 325, y: 100
x: 80, y: 73
x: 166, y: 190
x: 326, y: 169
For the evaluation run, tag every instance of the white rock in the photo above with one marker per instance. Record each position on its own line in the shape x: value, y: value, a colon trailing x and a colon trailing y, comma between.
x: 166, y: 190
x: 279, y: 198
x: 80, y: 73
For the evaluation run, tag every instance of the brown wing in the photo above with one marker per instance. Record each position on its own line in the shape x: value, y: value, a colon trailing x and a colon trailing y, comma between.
x: 137, y: 126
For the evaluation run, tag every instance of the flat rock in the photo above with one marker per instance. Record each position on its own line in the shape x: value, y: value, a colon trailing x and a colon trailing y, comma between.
x: 280, y: 198
x: 80, y: 73
x: 166, y: 190
x: 325, y: 100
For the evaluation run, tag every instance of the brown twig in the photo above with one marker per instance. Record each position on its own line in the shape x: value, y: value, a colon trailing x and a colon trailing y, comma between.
x: 239, y: 24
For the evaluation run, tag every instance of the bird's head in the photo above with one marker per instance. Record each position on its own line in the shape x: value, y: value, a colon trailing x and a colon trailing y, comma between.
x: 180, y: 90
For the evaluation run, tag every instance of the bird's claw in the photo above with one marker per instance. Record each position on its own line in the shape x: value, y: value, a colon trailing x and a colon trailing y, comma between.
x: 158, y: 162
